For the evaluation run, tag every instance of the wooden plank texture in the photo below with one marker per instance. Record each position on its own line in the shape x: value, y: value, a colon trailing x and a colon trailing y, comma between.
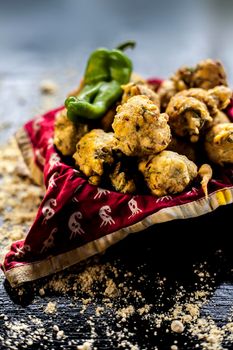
x: 168, y: 266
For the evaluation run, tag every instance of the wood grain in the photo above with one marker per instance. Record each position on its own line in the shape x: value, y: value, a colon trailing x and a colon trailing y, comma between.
x: 170, y: 249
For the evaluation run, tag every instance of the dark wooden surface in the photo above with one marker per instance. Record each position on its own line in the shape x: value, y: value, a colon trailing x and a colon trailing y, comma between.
x: 170, y: 249
x: 51, y: 40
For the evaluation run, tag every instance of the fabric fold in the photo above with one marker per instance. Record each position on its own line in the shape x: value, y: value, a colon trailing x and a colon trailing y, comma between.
x: 77, y: 220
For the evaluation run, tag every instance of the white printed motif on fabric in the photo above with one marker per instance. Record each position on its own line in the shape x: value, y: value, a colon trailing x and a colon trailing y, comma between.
x: 163, y: 199
x: 192, y: 191
x: 74, y: 224
x: 37, y: 124
x: 74, y: 174
x: 39, y: 157
x: 50, y: 142
x: 133, y: 206
x: 49, y: 242
x: 54, y: 160
x: 48, y: 209
x: 52, y: 183
x: 75, y: 199
x: 20, y: 252
x: 106, y: 218
x: 100, y: 192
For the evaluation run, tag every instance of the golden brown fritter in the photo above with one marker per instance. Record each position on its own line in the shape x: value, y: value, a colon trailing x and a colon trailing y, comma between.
x: 107, y: 120
x: 219, y: 143
x: 215, y: 99
x: 206, y: 75
x: 222, y: 95
x: 121, y: 180
x: 182, y: 78
x: 205, y: 173
x: 134, y: 89
x: 182, y: 146
x: 190, y: 110
x: 219, y: 118
x: 167, y: 172
x: 93, y: 151
x: 137, y: 87
x: 140, y: 128
x: 67, y: 133
x: 130, y: 90
x: 187, y: 115
x: 166, y: 91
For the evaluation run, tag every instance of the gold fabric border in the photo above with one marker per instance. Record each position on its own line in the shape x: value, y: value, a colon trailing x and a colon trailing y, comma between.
x: 26, y: 148
x: 52, y: 264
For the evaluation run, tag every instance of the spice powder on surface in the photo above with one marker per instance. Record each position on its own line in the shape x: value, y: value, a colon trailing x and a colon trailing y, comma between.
x: 98, y: 291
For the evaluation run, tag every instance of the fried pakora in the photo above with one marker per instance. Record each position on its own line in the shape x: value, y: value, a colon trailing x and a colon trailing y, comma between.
x: 187, y: 115
x: 139, y: 127
x: 67, y: 134
x: 107, y: 120
x: 222, y: 96
x: 219, y: 143
x: 121, y: 180
x: 182, y: 146
x: 134, y: 89
x: 219, y: 118
x: 190, y: 110
x: 205, y: 173
x: 166, y: 91
x: 93, y: 151
x: 167, y: 172
x: 149, y: 150
x: 206, y: 75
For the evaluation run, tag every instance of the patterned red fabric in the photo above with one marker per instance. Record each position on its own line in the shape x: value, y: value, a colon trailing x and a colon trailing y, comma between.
x: 73, y: 212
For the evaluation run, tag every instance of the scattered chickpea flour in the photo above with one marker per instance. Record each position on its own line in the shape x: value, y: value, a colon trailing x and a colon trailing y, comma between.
x: 102, y: 303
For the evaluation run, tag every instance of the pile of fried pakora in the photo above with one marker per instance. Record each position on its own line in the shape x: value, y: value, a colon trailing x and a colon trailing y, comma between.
x: 155, y: 141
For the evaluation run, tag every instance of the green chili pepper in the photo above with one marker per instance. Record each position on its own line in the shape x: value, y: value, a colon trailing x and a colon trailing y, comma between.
x: 102, y: 96
x: 106, y: 71
x: 130, y: 44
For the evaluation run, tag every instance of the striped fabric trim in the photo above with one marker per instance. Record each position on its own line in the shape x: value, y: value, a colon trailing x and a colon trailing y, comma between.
x: 24, y: 143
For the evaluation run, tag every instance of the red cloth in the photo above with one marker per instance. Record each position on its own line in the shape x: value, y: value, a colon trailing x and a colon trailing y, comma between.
x: 73, y: 212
